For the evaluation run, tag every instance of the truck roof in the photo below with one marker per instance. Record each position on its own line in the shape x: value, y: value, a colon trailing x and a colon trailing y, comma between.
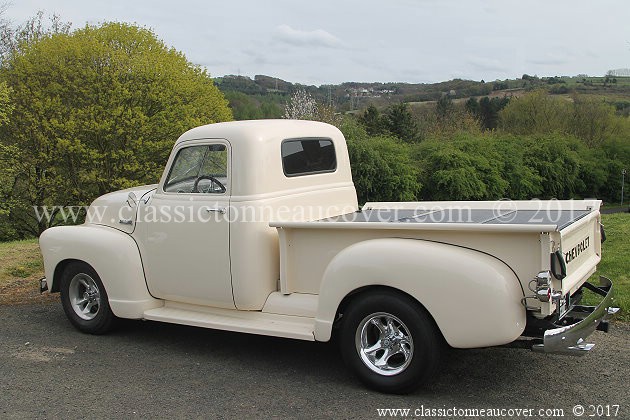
x: 256, y: 161
x: 261, y: 131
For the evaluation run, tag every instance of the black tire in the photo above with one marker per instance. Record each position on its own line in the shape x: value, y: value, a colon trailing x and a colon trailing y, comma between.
x: 403, y: 371
x: 96, y: 317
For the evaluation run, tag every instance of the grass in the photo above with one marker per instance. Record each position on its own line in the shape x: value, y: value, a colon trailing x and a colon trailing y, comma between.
x: 615, y: 262
x: 21, y: 266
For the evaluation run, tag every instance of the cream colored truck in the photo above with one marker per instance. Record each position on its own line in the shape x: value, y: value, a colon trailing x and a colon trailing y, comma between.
x: 255, y: 227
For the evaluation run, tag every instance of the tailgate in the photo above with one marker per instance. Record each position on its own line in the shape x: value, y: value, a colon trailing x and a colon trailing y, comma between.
x: 581, y: 250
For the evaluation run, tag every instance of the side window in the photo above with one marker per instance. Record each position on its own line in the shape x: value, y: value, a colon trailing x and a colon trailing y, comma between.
x: 199, y: 169
x: 308, y: 156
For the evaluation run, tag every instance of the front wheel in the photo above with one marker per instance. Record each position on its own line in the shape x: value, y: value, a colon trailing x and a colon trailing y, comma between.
x: 84, y: 299
x: 390, y: 342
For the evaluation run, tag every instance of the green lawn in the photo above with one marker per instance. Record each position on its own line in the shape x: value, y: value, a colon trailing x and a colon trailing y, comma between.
x: 21, y: 266
x: 615, y: 262
x: 19, y: 259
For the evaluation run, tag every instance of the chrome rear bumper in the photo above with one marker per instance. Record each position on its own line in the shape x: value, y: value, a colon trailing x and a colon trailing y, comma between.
x: 569, y: 339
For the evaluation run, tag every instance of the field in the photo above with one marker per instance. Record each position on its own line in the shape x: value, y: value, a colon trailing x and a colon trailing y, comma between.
x: 21, y: 266
x: 615, y: 263
x: 621, y: 81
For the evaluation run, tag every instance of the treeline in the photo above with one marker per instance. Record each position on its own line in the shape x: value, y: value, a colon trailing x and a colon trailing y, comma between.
x: 254, y: 107
x: 350, y: 96
x: 534, y: 146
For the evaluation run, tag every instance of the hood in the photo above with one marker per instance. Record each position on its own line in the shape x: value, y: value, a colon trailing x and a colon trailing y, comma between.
x: 113, y: 209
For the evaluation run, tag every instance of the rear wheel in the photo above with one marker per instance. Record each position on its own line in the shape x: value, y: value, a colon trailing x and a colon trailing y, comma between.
x: 390, y: 342
x: 84, y: 299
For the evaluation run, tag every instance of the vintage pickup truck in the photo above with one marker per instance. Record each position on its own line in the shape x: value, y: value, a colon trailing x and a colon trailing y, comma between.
x: 255, y: 227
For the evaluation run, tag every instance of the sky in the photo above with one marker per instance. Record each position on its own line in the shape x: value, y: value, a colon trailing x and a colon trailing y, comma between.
x: 330, y: 42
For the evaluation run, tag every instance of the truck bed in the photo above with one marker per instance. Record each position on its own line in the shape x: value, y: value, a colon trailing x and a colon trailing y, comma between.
x: 523, y: 234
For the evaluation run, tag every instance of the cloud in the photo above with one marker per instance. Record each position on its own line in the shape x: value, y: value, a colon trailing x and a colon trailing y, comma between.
x: 486, y: 64
x: 316, y: 38
x: 255, y: 56
x: 549, y: 60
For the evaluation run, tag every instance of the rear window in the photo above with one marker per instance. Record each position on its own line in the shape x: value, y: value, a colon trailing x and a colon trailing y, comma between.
x: 308, y: 156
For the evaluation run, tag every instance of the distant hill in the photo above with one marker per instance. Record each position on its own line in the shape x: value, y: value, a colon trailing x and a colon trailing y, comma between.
x: 351, y: 96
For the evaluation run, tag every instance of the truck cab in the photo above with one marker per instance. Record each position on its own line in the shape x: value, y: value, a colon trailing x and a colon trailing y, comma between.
x: 233, y: 180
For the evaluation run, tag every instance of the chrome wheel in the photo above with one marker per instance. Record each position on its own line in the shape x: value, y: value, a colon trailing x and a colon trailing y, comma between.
x: 85, y: 297
x: 384, y: 344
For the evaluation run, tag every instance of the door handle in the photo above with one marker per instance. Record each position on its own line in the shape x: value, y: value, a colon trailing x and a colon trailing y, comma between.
x: 220, y: 210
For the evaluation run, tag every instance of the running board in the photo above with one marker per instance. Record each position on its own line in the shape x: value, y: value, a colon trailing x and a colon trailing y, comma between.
x: 252, y: 322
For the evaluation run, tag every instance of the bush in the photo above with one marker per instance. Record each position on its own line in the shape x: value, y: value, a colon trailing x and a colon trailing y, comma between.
x: 462, y: 169
x: 382, y: 169
x: 499, y: 165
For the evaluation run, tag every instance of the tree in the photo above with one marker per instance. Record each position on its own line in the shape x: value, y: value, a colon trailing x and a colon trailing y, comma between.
x: 6, y: 106
x: 443, y: 125
x: 592, y: 120
x: 97, y: 109
x: 372, y: 121
x: 14, y: 39
x: 444, y: 107
x: 472, y: 106
x: 489, y: 111
x: 401, y: 123
x: 9, y: 159
x: 301, y: 106
x: 535, y: 113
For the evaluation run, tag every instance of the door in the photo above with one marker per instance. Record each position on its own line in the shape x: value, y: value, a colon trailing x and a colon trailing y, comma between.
x: 187, y: 232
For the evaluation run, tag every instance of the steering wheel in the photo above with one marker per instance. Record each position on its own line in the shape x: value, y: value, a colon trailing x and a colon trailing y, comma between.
x: 214, y: 181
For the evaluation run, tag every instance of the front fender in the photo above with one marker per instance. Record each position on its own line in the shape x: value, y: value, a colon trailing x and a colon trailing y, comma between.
x: 474, y: 298
x: 113, y: 254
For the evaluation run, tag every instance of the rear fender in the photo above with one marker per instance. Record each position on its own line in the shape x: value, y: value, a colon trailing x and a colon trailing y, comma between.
x: 474, y: 298
x: 113, y: 254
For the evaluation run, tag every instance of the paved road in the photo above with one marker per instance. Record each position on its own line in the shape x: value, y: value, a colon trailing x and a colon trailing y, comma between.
x: 146, y: 369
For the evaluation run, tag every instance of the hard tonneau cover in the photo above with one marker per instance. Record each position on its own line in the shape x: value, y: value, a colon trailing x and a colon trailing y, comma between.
x: 559, y: 218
